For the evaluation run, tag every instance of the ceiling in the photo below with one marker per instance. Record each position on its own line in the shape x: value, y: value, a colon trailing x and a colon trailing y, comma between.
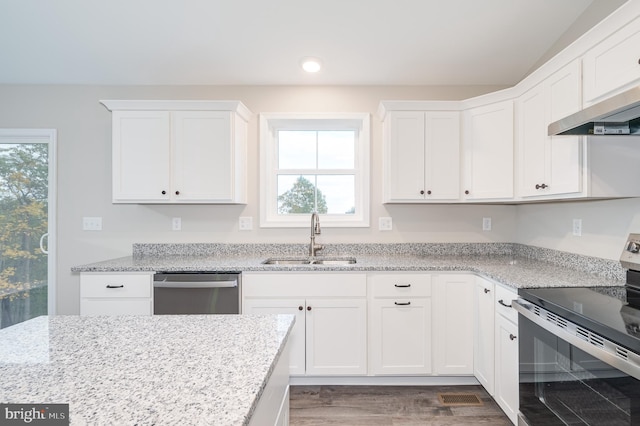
x: 261, y: 42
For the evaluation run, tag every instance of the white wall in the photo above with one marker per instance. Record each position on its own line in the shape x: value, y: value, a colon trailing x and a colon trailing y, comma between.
x: 84, y: 174
x: 605, y: 226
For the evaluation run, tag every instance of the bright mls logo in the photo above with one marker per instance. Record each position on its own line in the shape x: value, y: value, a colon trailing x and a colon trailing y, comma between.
x: 34, y: 414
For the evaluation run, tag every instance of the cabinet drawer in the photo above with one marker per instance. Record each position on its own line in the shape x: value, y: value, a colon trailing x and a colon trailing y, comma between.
x: 92, y: 307
x: 504, y: 296
x: 115, y: 285
x: 400, y: 285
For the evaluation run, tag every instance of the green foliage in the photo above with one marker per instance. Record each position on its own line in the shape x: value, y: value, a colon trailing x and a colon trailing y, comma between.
x: 302, y: 198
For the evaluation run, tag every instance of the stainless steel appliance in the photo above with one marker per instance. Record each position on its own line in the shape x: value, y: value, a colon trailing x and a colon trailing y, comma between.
x: 579, y: 353
x: 176, y: 293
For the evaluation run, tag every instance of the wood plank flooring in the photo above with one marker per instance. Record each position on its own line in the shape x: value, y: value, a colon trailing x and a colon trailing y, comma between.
x: 389, y: 406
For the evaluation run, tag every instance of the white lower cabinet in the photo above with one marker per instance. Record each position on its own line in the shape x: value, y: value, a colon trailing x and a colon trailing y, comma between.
x: 116, y: 293
x: 330, y: 334
x: 507, y: 381
x: 496, y: 345
x: 453, y: 324
x: 400, y: 324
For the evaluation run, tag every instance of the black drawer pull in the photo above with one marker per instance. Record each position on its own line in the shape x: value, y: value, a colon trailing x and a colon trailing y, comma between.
x: 486, y: 290
x: 402, y: 303
x: 402, y: 285
x: 504, y: 304
x: 512, y: 337
x: 115, y: 286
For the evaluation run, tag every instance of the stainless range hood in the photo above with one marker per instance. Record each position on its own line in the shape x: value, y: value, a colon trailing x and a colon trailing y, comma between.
x: 618, y: 115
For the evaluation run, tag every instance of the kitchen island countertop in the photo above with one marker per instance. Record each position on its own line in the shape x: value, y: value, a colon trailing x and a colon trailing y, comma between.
x: 202, y: 369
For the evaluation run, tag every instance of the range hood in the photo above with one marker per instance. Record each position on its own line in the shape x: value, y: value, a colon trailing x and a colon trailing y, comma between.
x: 617, y: 115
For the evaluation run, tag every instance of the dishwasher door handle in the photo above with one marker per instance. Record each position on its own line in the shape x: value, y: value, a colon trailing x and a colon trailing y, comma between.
x: 195, y: 284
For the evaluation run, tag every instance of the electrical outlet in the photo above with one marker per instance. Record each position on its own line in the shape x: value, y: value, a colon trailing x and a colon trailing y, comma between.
x: 486, y: 224
x: 577, y: 227
x: 245, y: 223
x: 92, y: 224
x: 385, y: 224
x: 176, y: 224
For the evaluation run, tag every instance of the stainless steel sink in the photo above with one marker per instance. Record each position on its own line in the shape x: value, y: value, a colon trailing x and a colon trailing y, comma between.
x: 333, y: 261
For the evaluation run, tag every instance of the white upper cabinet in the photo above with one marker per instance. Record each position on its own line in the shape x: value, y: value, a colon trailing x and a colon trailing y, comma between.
x: 488, y: 152
x: 613, y: 64
x: 179, y: 151
x: 422, y: 156
x: 550, y: 165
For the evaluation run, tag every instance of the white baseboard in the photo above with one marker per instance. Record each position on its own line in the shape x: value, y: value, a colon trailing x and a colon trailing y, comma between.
x: 383, y: 380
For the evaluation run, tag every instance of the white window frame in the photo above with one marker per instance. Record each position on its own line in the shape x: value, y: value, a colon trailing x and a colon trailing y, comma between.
x: 270, y: 123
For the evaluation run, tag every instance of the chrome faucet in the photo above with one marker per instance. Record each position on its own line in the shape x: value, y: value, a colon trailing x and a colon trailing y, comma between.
x: 315, y: 230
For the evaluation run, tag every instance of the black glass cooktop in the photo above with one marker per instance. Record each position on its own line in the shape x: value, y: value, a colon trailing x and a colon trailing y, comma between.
x: 608, y: 316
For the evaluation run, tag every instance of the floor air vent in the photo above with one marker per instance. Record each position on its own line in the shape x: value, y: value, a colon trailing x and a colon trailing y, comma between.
x: 459, y: 399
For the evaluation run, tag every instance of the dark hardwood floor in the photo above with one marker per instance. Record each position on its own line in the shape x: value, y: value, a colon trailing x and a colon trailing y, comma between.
x: 389, y: 406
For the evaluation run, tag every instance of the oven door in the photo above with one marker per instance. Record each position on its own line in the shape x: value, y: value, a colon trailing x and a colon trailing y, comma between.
x: 561, y: 384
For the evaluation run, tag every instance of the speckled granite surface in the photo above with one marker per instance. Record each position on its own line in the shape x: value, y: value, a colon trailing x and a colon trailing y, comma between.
x: 156, y: 370
x: 514, y: 265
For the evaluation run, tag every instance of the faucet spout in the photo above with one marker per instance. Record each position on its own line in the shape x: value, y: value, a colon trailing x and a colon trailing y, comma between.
x: 315, y: 230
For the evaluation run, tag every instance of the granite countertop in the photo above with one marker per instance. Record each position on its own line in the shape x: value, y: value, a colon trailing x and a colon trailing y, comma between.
x: 204, y: 369
x: 514, y: 268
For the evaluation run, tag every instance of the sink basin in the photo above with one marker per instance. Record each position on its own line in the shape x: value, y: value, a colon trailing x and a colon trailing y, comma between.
x: 333, y: 261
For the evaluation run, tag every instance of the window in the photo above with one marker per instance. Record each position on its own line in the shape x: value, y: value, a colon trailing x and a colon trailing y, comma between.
x: 314, y: 163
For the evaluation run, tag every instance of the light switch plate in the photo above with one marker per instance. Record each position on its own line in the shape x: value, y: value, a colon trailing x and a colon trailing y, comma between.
x: 385, y: 224
x: 577, y: 227
x: 92, y: 224
x: 486, y: 224
x: 176, y: 224
x: 245, y: 223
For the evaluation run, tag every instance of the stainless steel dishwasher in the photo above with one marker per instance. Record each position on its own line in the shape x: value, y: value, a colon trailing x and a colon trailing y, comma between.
x: 176, y: 293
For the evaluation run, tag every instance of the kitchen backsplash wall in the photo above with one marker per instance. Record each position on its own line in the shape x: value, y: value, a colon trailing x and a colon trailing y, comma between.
x: 84, y: 182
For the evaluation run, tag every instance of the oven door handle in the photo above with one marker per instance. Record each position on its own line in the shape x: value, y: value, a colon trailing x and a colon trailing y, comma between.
x: 195, y: 284
x: 608, y: 352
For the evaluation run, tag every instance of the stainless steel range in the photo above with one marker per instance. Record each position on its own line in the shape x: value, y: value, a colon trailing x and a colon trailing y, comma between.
x: 579, y: 352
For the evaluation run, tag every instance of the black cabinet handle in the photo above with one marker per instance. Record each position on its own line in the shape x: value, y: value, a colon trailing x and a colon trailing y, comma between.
x: 402, y: 303
x: 543, y: 186
x: 466, y: 192
x: 486, y: 290
x: 164, y: 192
x: 512, y: 337
x: 115, y: 286
x: 177, y: 192
x: 308, y: 308
x: 421, y: 192
x: 504, y: 304
x: 429, y: 192
x: 402, y: 285
x: 300, y: 308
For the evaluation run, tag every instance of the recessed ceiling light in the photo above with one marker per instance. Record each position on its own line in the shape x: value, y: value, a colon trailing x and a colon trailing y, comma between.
x: 311, y: 64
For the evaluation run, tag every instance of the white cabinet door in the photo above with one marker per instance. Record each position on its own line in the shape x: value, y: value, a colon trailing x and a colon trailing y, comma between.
x: 488, y: 143
x: 484, y: 340
x: 550, y: 166
x: 532, y: 141
x: 296, y: 344
x: 565, y: 153
x: 442, y: 164
x: 453, y: 319
x: 612, y: 64
x: 336, y: 336
x: 422, y: 155
x: 141, y: 152
x: 202, y: 156
x: 400, y: 336
x: 507, y: 382
x: 405, y: 155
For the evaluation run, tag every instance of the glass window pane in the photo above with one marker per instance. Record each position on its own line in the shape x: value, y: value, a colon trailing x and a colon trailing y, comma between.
x: 336, y: 149
x: 296, y: 149
x: 337, y: 193
x: 297, y: 194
